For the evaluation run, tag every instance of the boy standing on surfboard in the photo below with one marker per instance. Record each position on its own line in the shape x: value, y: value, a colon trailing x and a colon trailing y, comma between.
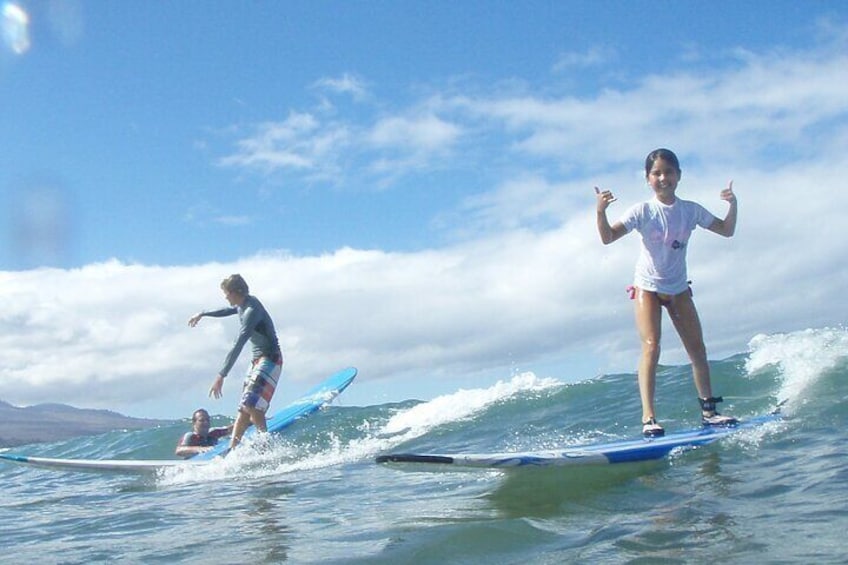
x: 264, y: 372
x: 665, y: 223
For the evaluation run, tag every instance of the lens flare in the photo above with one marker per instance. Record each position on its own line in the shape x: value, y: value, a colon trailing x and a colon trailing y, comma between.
x: 15, y: 28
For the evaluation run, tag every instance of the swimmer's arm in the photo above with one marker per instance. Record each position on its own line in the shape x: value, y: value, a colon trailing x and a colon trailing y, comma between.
x: 187, y: 451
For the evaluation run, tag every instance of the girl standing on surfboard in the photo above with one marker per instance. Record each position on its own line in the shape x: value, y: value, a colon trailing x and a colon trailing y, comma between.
x: 665, y: 224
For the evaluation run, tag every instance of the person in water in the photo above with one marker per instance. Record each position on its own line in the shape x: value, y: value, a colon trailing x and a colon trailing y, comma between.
x: 665, y: 224
x: 201, y: 437
x: 266, y: 366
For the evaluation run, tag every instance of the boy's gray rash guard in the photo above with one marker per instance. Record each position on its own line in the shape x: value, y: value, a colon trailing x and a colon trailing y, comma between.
x: 256, y: 326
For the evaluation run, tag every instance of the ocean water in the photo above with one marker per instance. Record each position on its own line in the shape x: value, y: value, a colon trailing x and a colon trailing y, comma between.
x: 778, y: 494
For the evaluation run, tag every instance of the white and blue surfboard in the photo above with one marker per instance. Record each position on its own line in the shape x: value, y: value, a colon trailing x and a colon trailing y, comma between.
x: 310, y: 402
x: 625, y: 451
x: 93, y: 465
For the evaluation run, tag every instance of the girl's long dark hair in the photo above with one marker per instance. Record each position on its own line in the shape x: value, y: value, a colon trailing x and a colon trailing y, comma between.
x: 665, y: 155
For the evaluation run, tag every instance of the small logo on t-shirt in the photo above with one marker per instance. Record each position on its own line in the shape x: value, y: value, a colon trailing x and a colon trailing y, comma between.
x: 677, y: 245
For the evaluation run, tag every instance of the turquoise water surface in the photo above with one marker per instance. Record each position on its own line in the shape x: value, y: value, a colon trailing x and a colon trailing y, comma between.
x: 314, y: 494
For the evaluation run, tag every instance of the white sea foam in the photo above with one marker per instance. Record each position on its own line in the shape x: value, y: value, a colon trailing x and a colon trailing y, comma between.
x: 802, y: 358
x: 275, y: 457
x: 463, y: 404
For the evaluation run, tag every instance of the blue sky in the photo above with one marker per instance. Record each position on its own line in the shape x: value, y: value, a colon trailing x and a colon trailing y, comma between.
x: 406, y: 185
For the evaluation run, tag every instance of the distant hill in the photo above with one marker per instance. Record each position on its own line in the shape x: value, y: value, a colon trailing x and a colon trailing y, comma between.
x: 55, y: 422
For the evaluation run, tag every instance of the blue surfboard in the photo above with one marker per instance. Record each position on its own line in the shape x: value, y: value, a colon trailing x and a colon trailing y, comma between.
x: 310, y: 402
x: 313, y: 400
x: 624, y: 451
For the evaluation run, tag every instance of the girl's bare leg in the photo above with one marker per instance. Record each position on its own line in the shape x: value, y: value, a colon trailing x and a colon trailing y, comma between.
x: 685, y: 318
x: 648, y: 324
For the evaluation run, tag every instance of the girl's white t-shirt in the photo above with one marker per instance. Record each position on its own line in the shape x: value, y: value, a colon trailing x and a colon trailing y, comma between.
x: 665, y: 231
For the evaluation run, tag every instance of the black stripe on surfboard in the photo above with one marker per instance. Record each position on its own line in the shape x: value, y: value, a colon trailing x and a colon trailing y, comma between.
x: 413, y: 458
